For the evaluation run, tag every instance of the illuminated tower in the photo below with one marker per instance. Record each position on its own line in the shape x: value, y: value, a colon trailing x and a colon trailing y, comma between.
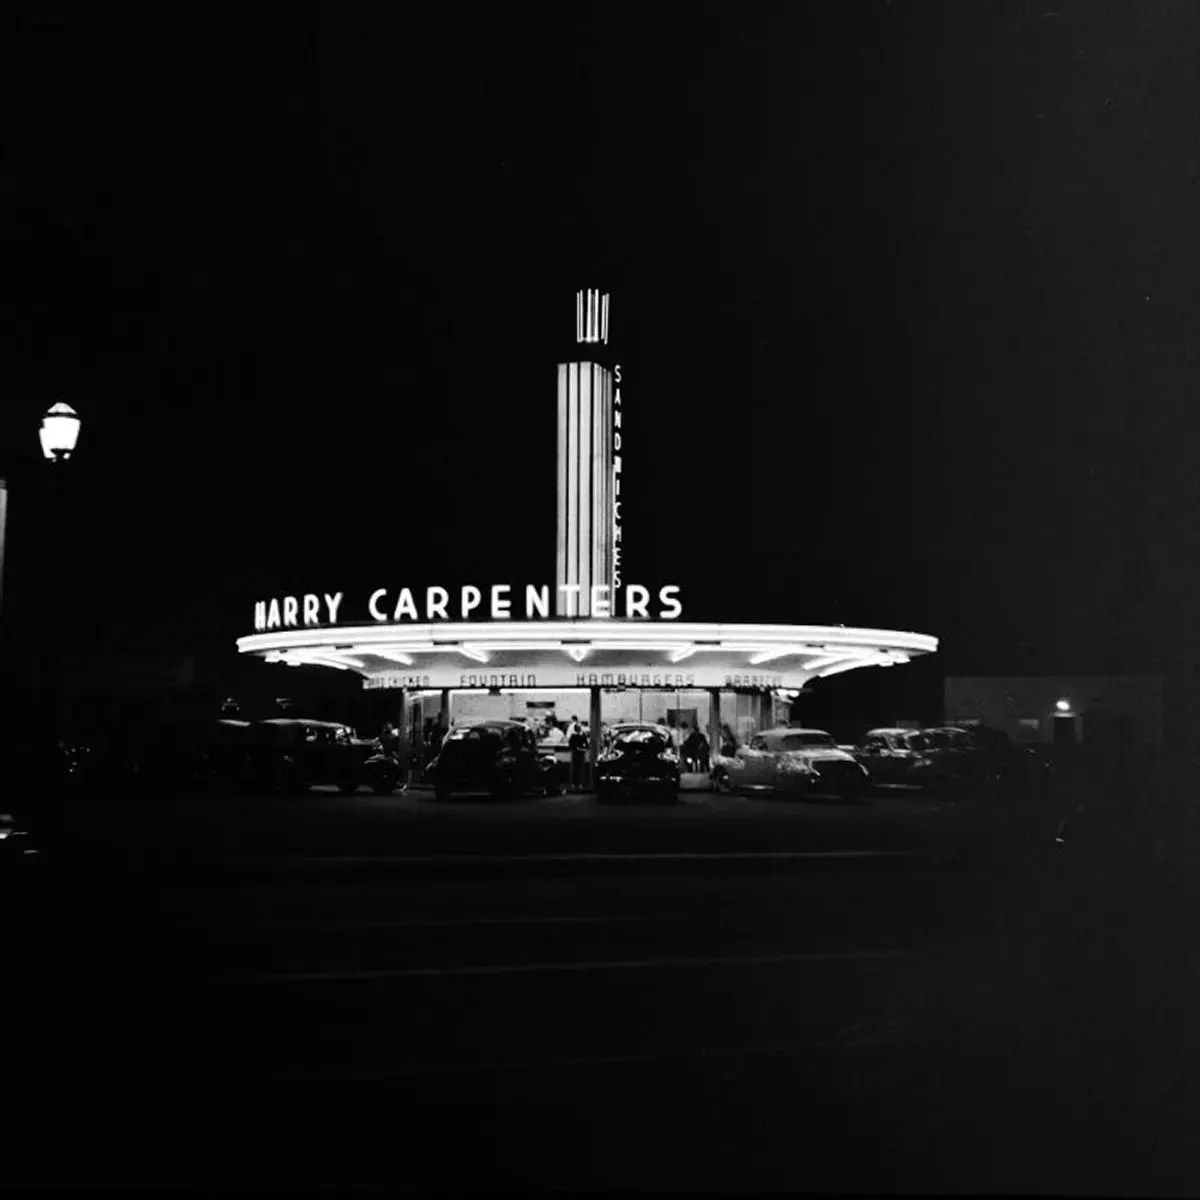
x: 588, y: 467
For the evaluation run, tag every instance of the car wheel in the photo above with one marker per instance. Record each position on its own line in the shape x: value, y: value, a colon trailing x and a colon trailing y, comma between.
x: 347, y: 787
x: 722, y: 783
x: 441, y: 791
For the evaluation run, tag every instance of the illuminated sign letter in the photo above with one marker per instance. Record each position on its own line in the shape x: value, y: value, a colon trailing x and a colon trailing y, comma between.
x: 291, y: 610
x: 636, y: 599
x: 617, y: 372
x: 379, y: 616
x: 436, y: 607
x: 471, y: 596
x: 312, y: 609
x: 538, y: 598
x: 663, y: 598
x: 260, y: 614
x: 273, y: 621
x: 501, y: 605
x: 571, y: 594
x: 333, y: 603
x: 600, y: 602
x: 405, y: 606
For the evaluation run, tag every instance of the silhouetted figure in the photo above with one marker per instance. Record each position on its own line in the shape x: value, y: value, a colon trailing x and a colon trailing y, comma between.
x: 578, y: 743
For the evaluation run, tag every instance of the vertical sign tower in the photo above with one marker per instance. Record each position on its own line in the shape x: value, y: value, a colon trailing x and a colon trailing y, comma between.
x: 588, y: 470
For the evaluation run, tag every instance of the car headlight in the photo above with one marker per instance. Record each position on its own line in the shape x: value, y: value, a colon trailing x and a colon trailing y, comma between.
x: 668, y: 756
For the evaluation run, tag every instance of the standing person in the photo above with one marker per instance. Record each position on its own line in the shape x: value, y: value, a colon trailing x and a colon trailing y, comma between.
x: 440, y: 729
x: 687, y: 745
x: 701, y: 751
x: 691, y: 749
x: 578, y: 743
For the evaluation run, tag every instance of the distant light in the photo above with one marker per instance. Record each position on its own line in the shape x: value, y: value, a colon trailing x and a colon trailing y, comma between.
x: 59, y: 432
x: 1063, y: 705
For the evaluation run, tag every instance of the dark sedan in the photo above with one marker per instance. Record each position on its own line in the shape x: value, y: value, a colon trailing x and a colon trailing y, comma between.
x: 498, y: 757
x: 638, y: 760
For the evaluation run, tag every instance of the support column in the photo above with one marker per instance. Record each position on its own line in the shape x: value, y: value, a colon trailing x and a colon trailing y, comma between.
x: 714, y: 723
x: 594, y: 728
x: 446, y: 707
x: 766, y: 711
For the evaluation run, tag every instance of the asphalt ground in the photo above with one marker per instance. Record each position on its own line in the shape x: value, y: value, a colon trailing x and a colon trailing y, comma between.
x: 728, y: 994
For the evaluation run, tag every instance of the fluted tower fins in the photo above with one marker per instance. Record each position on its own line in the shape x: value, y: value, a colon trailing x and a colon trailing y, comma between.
x: 585, y: 467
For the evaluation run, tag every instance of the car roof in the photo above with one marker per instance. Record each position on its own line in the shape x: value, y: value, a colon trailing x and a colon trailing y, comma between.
x: 894, y: 729
x: 303, y: 722
x: 781, y: 730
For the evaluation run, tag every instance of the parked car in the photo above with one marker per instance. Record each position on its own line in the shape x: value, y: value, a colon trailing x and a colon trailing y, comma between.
x: 903, y: 757
x: 638, y: 760
x: 286, y: 755
x: 498, y: 757
x: 803, y: 761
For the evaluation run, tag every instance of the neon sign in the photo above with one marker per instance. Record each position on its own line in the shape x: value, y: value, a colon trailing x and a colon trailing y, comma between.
x: 294, y: 612
x: 616, y: 488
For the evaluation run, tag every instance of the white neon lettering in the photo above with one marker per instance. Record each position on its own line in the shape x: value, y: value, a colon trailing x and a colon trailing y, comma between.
x: 379, y: 616
x: 572, y: 593
x: 332, y: 603
x: 617, y: 440
x: 601, y: 606
x: 616, y: 464
x: 436, y: 599
x: 637, y: 598
x: 537, y: 598
x: 617, y: 578
x: 260, y: 614
x: 617, y: 374
x: 617, y: 418
x: 291, y: 610
x: 405, y: 606
x: 665, y: 599
x: 501, y: 604
x: 617, y: 509
x: 312, y: 609
x: 273, y: 621
x: 471, y: 596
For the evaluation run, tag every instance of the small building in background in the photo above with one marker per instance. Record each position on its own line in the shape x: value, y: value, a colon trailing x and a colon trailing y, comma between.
x: 1056, y: 708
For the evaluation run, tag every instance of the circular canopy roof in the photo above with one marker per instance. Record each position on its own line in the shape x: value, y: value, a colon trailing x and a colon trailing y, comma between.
x: 591, y: 652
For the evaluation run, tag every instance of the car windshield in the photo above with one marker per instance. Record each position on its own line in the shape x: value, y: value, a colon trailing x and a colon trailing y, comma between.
x: 805, y: 741
x: 917, y: 741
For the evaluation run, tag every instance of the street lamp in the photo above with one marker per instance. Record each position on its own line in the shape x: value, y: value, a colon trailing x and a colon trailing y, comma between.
x: 1063, y: 706
x: 59, y: 432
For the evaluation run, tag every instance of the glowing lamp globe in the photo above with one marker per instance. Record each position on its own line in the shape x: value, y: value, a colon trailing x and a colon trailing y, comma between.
x: 59, y: 432
x: 1063, y: 705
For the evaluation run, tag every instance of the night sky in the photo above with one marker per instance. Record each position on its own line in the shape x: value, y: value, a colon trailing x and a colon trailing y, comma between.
x: 904, y: 295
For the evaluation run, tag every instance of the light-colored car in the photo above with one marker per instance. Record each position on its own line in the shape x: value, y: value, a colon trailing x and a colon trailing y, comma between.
x: 805, y: 761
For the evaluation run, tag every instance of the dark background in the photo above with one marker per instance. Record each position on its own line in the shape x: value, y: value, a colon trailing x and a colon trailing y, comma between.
x: 904, y: 295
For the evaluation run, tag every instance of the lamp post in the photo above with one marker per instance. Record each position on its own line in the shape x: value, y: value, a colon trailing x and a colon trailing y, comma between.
x: 58, y: 434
